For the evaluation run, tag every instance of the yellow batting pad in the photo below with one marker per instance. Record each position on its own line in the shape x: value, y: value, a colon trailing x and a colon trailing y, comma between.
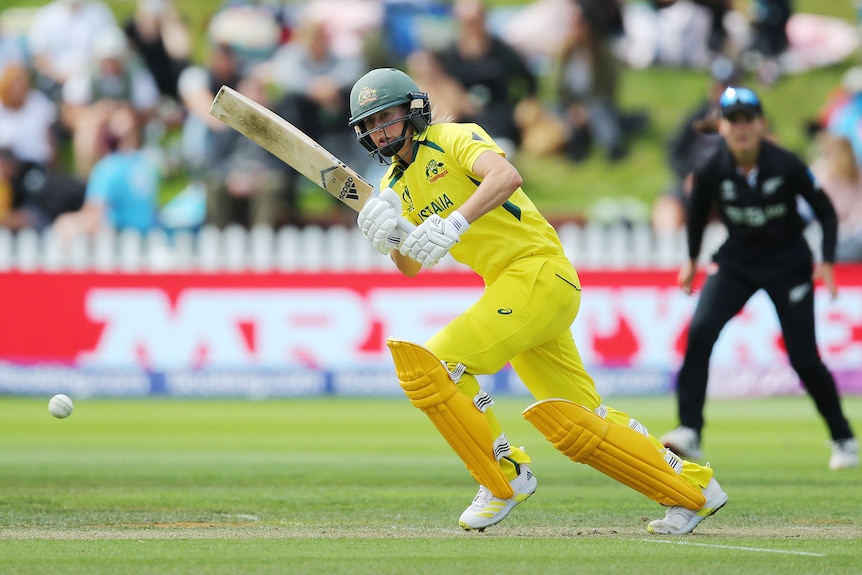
x: 615, y: 450
x: 426, y: 382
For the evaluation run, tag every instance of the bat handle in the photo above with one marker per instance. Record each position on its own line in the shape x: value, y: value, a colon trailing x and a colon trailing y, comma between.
x: 404, y: 225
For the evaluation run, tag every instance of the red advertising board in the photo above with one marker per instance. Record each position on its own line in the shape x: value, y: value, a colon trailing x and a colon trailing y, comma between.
x: 327, y: 331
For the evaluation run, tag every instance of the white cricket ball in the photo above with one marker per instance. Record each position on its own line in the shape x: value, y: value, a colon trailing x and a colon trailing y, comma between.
x: 61, y: 406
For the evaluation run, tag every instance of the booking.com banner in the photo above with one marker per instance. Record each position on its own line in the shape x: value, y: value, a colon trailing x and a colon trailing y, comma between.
x: 270, y: 335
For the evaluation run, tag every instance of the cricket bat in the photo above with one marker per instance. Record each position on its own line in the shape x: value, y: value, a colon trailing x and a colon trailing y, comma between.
x: 294, y: 147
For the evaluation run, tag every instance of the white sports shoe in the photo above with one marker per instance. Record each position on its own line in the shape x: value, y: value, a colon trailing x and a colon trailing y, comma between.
x: 684, y: 442
x: 679, y: 520
x: 487, y: 510
x: 845, y: 454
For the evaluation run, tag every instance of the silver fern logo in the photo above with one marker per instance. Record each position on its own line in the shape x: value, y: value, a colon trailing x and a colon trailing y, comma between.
x: 770, y: 185
x: 798, y: 293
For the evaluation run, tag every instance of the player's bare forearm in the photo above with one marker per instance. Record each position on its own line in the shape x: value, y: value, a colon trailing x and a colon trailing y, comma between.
x: 499, y: 178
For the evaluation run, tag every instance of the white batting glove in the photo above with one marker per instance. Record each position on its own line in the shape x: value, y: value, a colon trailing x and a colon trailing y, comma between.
x: 433, y: 238
x: 378, y: 220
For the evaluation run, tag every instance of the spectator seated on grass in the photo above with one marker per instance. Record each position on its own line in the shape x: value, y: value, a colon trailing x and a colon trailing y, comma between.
x: 27, y: 118
x: 162, y: 39
x: 122, y: 190
x: 312, y: 82
x: 245, y: 184
x: 115, y: 79
x: 34, y: 195
x: 693, y: 138
x: 838, y: 172
x: 495, y: 76
x: 587, y: 84
x: 60, y: 40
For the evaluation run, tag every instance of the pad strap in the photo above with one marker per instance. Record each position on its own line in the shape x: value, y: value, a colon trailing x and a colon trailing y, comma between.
x: 617, y: 451
x: 426, y: 382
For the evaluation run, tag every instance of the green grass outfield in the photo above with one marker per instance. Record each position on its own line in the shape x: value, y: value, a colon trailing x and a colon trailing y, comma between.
x: 362, y: 486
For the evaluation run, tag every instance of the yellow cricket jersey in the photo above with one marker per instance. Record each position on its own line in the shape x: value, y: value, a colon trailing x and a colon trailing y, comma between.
x: 440, y: 179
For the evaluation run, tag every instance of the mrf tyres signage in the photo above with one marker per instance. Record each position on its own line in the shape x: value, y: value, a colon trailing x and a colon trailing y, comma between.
x: 307, y: 334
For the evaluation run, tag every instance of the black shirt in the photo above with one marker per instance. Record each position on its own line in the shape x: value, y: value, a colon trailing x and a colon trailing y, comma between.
x: 763, y: 222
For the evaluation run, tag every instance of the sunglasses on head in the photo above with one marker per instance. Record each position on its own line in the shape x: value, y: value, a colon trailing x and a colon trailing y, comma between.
x: 733, y: 96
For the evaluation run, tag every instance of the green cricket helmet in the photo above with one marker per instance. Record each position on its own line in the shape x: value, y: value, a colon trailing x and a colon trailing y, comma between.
x: 384, y: 88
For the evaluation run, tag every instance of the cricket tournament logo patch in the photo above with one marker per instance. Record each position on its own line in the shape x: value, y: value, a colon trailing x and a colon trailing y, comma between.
x: 434, y: 171
x: 728, y: 190
x: 367, y: 95
x: 407, y: 199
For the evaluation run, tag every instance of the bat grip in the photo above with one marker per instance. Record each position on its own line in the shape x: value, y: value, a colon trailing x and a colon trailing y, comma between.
x: 404, y: 225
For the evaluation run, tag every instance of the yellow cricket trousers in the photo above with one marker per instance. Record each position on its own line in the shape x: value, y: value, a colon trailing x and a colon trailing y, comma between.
x: 524, y: 318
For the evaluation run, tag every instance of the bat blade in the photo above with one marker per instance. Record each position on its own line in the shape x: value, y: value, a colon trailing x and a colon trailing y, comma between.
x: 291, y: 145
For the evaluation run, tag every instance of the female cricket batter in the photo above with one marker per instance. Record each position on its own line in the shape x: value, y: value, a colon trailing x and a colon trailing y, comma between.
x: 454, y: 184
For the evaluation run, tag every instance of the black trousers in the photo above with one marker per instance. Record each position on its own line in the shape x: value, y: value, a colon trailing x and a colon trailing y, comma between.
x: 724, y: 295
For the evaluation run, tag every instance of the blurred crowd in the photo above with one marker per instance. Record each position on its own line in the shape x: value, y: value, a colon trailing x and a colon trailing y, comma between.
x: 97, y: 114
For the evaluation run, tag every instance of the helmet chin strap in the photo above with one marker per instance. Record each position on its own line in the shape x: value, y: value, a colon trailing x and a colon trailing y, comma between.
x: 395, y: 145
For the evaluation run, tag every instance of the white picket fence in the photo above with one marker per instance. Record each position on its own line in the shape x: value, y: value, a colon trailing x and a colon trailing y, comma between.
x: 306, y: 249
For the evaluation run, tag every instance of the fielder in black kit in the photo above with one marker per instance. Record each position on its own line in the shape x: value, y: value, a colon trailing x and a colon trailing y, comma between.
x: 753, y: 185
